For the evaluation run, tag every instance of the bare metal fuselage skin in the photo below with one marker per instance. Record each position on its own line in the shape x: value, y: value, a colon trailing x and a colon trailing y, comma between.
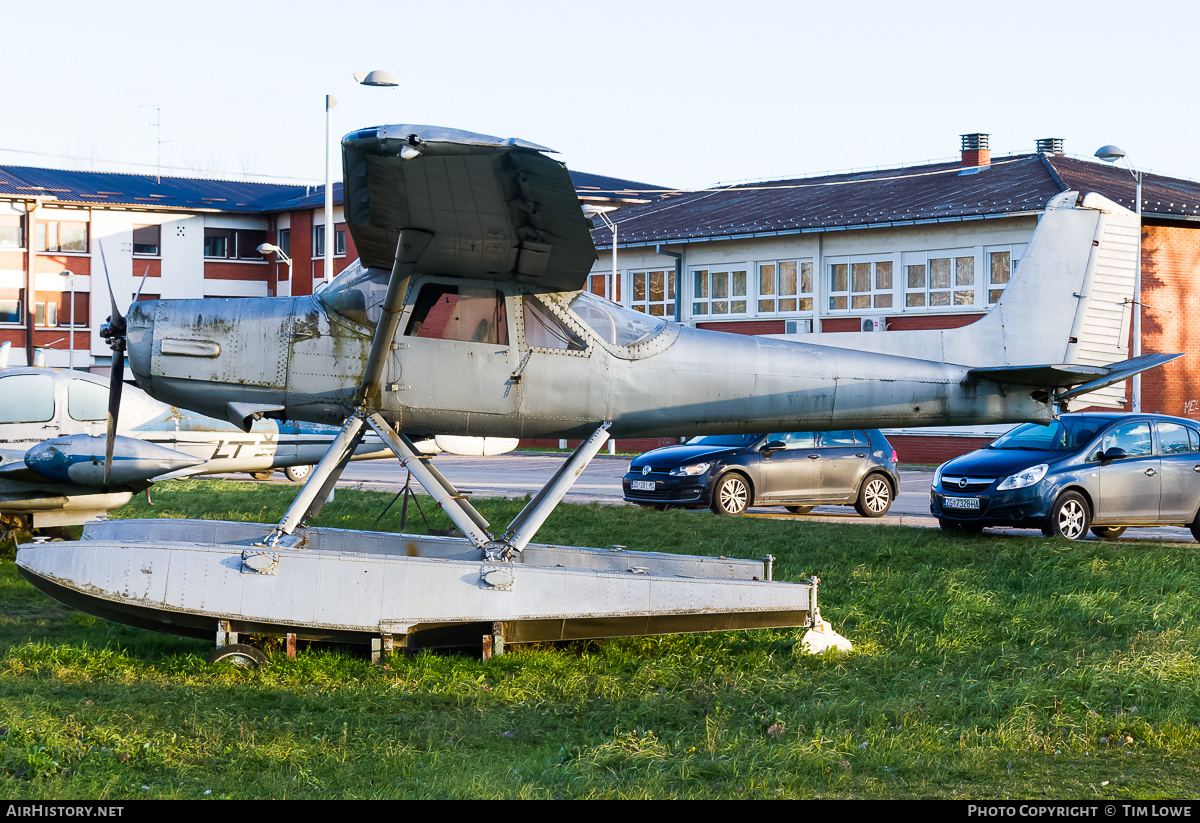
x: 296, y: 354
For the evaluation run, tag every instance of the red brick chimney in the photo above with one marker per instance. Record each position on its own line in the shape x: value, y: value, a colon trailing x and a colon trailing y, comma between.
x: 975, y: 151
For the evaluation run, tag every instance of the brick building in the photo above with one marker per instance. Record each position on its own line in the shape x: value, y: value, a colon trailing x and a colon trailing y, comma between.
x: 929, y: 246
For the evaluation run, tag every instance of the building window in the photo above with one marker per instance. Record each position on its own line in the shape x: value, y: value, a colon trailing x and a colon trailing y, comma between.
x: 146, y: 240
x: 234, y: 244
x: 62, y: 235
x: 12, y: 231
x: 654, y: 292
x: 218, y: 242
x: 939, y: 279
x: 718, y: 291
x: 785, y: 286
x: 10, y: 306
x: 45, y: 314
x: 1001, y: 265
x: 284, y: 241
x: 860, y: 285
x: 598, y: 285
x: 339, y: 242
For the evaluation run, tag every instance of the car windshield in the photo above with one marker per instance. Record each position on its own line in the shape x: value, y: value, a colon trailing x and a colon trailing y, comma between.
x: 1066, y: 434
x: 735, y: 440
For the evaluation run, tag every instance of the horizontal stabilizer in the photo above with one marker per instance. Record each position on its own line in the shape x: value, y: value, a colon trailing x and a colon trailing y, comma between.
x: 1122, y: 370
x: 1084, y: 378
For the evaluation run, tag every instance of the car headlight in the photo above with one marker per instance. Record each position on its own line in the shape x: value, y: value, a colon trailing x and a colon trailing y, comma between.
x: 937, y: 475
x: 1025, y: 478
x: 691, y: 470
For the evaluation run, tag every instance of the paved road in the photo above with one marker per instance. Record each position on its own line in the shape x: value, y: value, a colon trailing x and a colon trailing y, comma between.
x: 520, y: 473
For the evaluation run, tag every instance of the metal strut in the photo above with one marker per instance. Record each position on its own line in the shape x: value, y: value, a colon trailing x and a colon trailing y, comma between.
x: 469, y: 521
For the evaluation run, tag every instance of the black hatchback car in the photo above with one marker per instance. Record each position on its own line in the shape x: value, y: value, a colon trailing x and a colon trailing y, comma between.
x: 797, y: 470
x: 1084, y: 471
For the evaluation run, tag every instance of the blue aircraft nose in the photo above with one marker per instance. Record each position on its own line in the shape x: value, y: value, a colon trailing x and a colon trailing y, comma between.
x: 78, y: 460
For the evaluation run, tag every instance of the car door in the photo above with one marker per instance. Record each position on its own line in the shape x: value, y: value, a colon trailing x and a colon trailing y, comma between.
x: 844, y: 455
x: 1179, y: 461
x: 1131, y: 485
x: 791, y: 474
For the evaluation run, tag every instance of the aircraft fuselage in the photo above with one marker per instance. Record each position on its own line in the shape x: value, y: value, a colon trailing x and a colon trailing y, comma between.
x: 523, y: 364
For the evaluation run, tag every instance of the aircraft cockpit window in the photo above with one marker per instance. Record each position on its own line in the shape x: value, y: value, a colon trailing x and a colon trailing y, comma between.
x: 544, y: 330
x: 27, y: 398
x: 357, y: 294
x: 87, y: 400
x: 445, y: 312
x: 614, y: 323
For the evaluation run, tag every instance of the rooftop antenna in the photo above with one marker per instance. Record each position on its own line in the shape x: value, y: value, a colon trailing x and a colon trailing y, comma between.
x: 158, y: 135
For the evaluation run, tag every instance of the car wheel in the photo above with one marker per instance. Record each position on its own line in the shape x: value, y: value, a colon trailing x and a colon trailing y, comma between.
x: 1195, y: 527
x: 1069, y: 517
x: 297, y: 473
x: 1108, y: 532
x: 263, y: 475
x: 731, y: 495
x: 875, y: 496
x: 799, y: 509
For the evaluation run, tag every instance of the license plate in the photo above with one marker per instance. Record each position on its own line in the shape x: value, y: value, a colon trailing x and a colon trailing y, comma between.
x: 960, y: 503
x: 642, y: 485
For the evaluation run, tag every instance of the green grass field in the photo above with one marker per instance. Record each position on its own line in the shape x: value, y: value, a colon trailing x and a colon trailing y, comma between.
x: 985, y: 667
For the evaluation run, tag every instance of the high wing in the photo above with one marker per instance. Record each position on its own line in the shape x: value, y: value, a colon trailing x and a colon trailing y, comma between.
x: 498, y: 209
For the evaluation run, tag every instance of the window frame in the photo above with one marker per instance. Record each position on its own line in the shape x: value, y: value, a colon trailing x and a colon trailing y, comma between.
x: 705, y: 279
x: 777, y: 296
x: 156, y: 228
x: 865, y: 291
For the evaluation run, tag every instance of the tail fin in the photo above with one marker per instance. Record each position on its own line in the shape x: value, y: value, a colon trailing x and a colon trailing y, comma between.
x: 1069, y: 301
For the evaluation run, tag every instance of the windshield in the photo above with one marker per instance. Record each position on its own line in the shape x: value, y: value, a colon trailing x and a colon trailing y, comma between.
x: 615, y: 324
x: 357, y: 293
x: 735, y: 440
x: 1067, y: 434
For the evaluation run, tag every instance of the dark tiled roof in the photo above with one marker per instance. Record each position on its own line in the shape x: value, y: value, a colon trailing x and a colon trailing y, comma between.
x: 142, y: 190
x: 1161, y: 196
x: 870, y: 198
x: 889, y: 197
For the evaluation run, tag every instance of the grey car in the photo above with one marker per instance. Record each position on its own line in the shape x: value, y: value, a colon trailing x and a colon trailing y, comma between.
x: 797, y: 470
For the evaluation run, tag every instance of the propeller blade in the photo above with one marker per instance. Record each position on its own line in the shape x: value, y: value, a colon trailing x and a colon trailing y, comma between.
x: 114, y: 333
x: 115, y: 385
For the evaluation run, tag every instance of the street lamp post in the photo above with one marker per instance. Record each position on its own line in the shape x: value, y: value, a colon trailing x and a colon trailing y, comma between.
x: 71, y: 285
x: 375, y: 78
x: 596, y: 211
x: 1111, y: 154
x: 271, y: 248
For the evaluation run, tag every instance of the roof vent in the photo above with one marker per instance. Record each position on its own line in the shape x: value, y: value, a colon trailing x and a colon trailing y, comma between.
x: 1050, y: 145
x: 975, y: 151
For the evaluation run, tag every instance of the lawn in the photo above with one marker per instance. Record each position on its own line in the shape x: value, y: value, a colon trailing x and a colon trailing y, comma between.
x: 985, y: 667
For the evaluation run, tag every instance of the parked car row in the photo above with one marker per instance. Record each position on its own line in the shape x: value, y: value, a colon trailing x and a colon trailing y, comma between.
x: 1098, y: 472
x: 797, y: 470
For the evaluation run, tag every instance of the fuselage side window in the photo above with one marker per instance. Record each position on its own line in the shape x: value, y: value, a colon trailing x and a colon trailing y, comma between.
x: 87, y: 400
x: 445, y: 312
x: 26, y: 398
x: 544, y: 330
